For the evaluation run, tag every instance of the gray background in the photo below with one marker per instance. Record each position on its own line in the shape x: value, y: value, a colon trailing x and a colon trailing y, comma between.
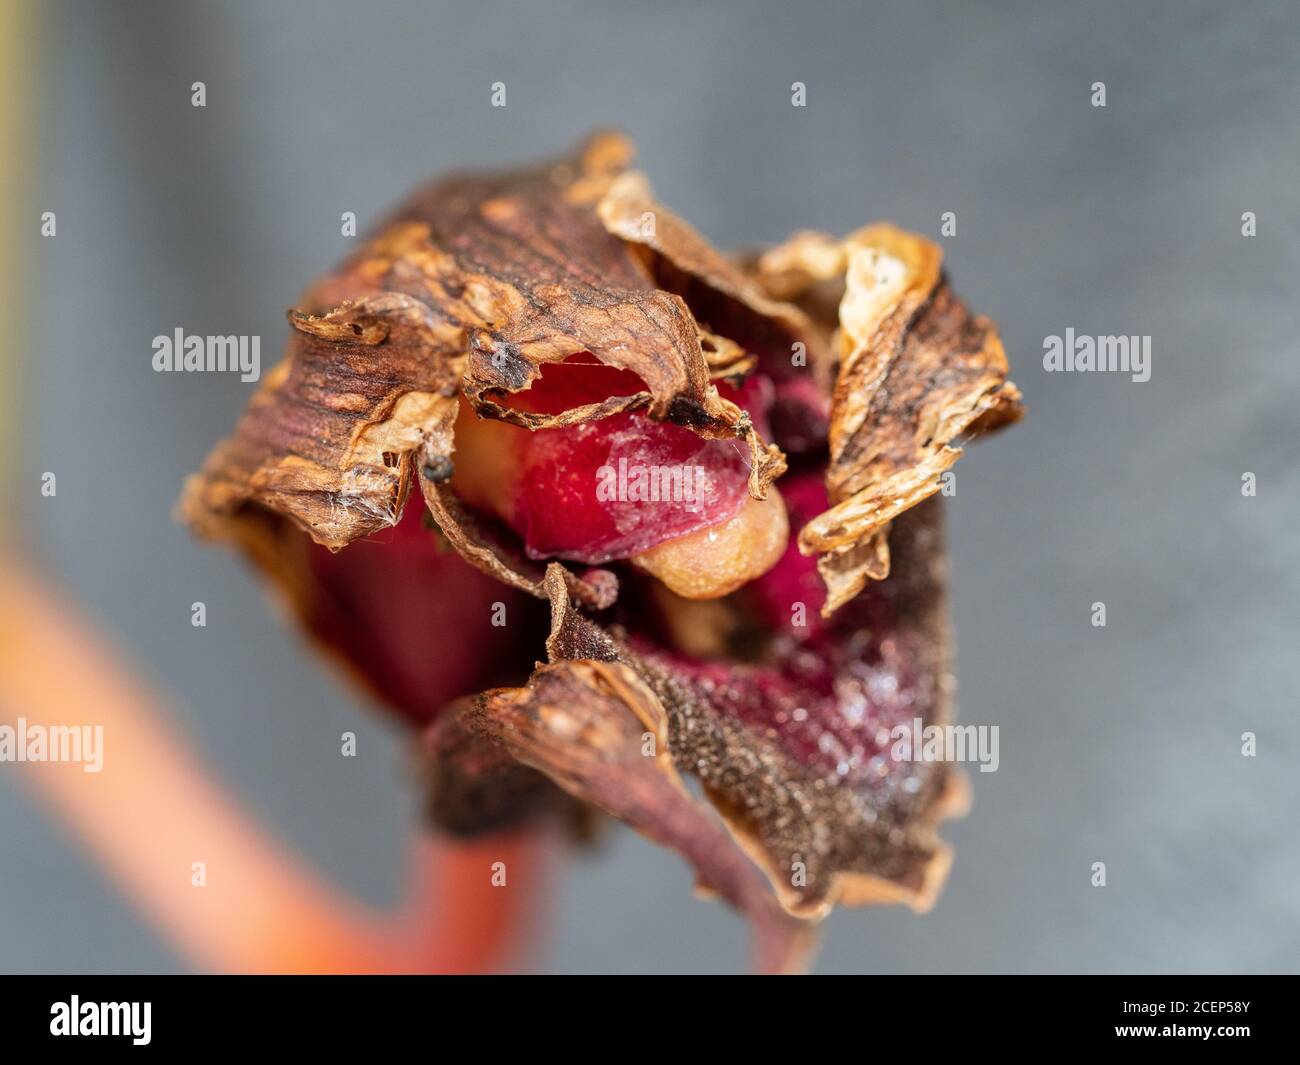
x: 1118, y: 744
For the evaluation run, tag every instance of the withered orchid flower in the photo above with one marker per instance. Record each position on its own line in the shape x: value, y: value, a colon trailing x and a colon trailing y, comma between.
x: 702, y: 488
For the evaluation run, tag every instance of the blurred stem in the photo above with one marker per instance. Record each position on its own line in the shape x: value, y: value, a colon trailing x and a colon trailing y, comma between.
x: 154, y: 810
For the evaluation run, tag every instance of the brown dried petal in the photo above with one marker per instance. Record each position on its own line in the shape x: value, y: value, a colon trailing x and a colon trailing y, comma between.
x: 917, y: 374
x: 718, y: 291
x: 799, y: 263
x: 327, y: 440
x: 548, y: 281
x: 472, y: 287
x: 599, y: 732
x: 819, y: 843
x: 853, y: 850
x: 477, y: 786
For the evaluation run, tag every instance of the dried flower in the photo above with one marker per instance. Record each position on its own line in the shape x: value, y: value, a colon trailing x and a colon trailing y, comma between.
x: 510, y: 343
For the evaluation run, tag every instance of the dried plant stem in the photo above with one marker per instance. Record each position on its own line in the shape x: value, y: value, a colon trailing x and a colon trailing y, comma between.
x: 154, y: 810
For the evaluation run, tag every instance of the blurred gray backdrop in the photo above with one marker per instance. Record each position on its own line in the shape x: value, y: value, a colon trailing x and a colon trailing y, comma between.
x: 1119, y: 744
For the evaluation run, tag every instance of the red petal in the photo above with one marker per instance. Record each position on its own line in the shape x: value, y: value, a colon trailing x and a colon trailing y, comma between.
x: 415, y: 620
x: 554, y: 504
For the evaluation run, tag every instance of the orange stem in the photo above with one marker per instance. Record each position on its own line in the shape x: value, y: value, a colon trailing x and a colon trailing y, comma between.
x: 154, y: 810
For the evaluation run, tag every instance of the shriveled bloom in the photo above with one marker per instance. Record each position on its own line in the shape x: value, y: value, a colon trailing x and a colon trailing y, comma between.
x: 676, y: 516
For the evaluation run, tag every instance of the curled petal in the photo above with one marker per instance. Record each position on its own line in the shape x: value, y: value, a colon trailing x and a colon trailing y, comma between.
x: 918, y: 374
x: 328, y: 440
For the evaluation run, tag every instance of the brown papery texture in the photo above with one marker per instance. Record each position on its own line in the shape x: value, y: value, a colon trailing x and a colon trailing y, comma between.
x: 470, y: 289
x: 917, y: 375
